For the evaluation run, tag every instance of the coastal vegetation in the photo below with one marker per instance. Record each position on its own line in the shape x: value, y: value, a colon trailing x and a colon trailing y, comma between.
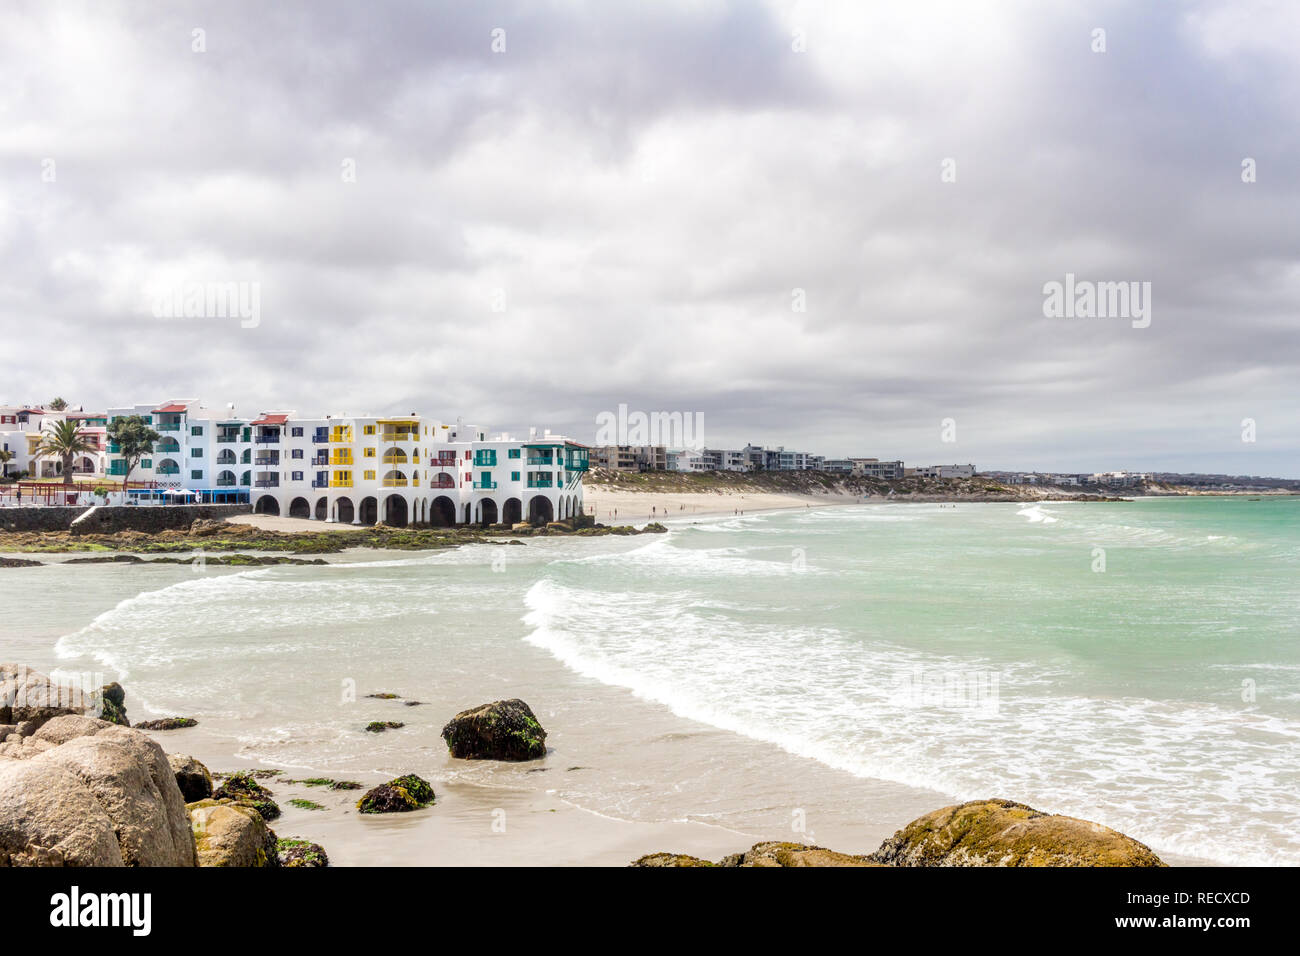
x: 133, y: 439
x: 64, y: 441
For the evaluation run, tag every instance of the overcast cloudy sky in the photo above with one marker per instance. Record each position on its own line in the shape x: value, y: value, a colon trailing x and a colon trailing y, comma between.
x: 737, y: 209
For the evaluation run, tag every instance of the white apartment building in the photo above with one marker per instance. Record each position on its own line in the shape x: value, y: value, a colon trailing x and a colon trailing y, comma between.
x: 22, y: 428
x: 395, y: 470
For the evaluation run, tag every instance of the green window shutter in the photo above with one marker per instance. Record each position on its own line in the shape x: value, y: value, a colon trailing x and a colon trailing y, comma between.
x: 514, y: 476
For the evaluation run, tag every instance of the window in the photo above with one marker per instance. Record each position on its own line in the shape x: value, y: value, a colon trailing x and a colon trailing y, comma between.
x: 146, y: 463
x: 196, y: 452
x: 369, y: 476
x: 368, y: 452
x: 196, y: 475
x: 514, y: 476
x: 196, y: 429
x: 296, y: 453
x: 296, y: 431
x: 368, y: 430
x: 296, y: 476
x: 513, y: 453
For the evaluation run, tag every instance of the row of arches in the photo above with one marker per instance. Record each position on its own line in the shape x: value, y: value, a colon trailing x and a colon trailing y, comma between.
x: 440, y: 511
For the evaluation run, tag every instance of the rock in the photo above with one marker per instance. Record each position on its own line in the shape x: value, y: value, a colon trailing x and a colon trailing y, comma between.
x: 28, y: 695
x: 49, y: 818
x: 242, y: 789
x: 89, y: 782
x: 379, y: 726
x: 501, y: 730
x: 384, y: 695
x: 301, y: 853
x: 670, y: 859
x: 399, y: 795
x: 794, y: 855
x: 167, y: 723
x: 1003, y: 833
x: 112, y: 704
x: 192, y: 777
x: 231, y: 834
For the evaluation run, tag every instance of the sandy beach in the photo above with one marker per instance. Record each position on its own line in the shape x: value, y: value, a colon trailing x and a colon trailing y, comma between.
x: 610, y: 506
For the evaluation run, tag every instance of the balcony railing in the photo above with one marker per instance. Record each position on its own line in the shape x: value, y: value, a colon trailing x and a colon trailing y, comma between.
x: 267, y: 439
x: 481, y: 484
x: 321, y: 460
x: 442, y: 481
x: 225, y: 439
x: 267, y: 483
x: 340, y: 482
x: 169, y: 426
x: 395, y: 482
x: 534, y: 460
x: 319, y: 483
x: 168, y: 470
x: 226, y: 482
x: 399, y: 436
x: 338, y: 458
x: 539, y: 481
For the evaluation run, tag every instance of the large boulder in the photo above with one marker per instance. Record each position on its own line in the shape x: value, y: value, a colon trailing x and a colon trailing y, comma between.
x: 1003, y: 833
x: 501, y: 730
x: 192, y: 777
x: 669, y: 860
x: 84, y: 782
x: 30, y: 697
x: 231, y: 834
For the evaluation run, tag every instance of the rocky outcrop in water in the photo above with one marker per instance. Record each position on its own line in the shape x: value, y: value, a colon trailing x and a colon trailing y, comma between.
x: 167, y: 723
x: 300, y: 853
x: 243, y: 789
x: 1003, y: 833
x: 84, y: 792
x: 399, y: 795
x: 501, y: 730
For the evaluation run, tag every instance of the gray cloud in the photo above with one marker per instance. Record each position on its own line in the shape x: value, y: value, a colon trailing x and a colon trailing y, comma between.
x: 646, y: 185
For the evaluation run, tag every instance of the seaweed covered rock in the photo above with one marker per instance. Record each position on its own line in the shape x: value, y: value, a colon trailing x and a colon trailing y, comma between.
x: 112, y: 704
x: 298, y: 853
x: 167, y: 723
x: 794, y: 855
x: 379, y: 726
x: 228, y: 833
x: 1003, y: 833
x: 191, y: 776
x: 399, y: 795
x: 243, y: 789
x: 501, y: 730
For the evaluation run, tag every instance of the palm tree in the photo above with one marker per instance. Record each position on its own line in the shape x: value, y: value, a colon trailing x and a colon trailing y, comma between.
x: 6, y: 456
x: 134, y: 439
x: 57, y: 405
x: 64, y: 441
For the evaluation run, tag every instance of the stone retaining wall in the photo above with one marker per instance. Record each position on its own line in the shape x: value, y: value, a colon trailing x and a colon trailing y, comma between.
x: 113, y: 518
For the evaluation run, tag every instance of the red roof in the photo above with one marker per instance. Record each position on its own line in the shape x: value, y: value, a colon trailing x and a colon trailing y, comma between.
x: 272, y: 420
x: 167, y: 409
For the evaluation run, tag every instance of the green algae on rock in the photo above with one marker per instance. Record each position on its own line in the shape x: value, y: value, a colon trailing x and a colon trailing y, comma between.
x: 501, y: 730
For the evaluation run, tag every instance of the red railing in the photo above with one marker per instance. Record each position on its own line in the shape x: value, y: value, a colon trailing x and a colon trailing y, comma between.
x: 57, y: 493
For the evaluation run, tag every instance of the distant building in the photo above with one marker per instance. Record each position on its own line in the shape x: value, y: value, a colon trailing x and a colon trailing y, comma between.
x: 630, y: 457
x: 875, y: 468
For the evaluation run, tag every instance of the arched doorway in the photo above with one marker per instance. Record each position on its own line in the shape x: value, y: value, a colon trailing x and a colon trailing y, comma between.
x: 300, y: 508
x: 395, y: 511
x: 345, y: 513
x: 488, y: 511
x: 444, y: 512
x: 267, y: 505
x: 322, y: 509
x: 369, y: 512
x: 512, y: 512
x: 540, y: 510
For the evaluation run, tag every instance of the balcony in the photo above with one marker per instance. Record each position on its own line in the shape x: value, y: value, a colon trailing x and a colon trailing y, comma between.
x: 395, y: 460
x: 168, y: 426
x: 342, y: 435
x: 267, y: 483
x: 341, y: 458
x: 394, y: 482
x: 168, y: 470
x: 321, y: 460
x: 340, y: 482
x: 399, y: 435
x: 484, y: 484
x: 267, y: 439
x: 226, y: 439
x: 540, y: 481
x: 485, y: 459
x: 319, y: 483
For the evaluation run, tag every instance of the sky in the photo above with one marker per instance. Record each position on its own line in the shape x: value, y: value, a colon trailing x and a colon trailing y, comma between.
x: 823, y: 225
